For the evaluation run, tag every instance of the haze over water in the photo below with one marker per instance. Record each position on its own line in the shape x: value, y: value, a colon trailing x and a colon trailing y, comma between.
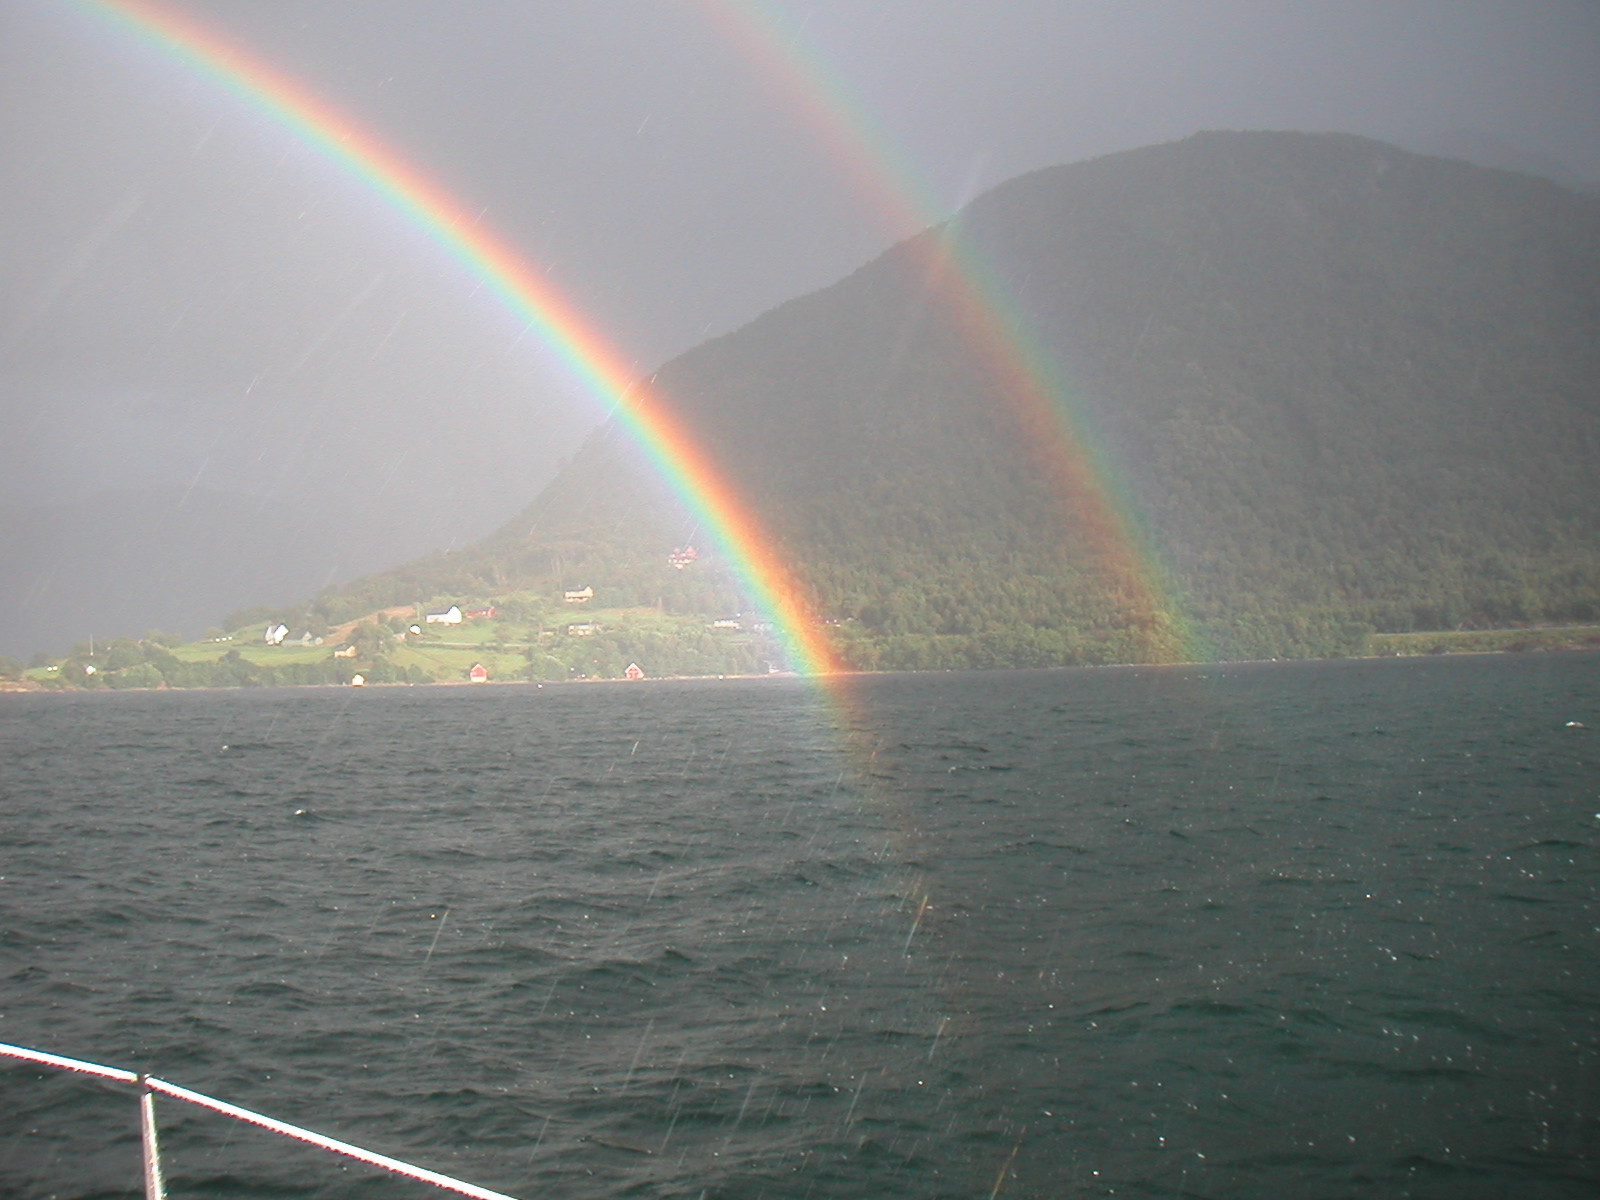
x: 1274, y: 930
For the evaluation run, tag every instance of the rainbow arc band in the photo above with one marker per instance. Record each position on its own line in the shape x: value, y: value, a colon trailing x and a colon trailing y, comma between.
x: 148, y: 1085
x: 519, y: 289
x: 1020, y: 370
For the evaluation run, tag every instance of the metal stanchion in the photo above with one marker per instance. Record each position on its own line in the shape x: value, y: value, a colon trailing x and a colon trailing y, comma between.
x: 153, y: 1187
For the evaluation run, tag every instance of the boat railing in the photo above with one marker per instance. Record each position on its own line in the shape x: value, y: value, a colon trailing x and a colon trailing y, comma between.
x: 148, y: 1085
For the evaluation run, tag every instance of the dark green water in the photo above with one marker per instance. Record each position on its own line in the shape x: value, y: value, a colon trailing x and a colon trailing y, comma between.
x: 1264, y: 931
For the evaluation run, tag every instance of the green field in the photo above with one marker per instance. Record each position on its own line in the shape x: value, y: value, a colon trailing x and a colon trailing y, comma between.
x: 536, y: 648
x: 445, y: 663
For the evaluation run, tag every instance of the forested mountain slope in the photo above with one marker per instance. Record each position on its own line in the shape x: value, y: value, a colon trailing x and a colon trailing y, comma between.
x: 1336, y: 387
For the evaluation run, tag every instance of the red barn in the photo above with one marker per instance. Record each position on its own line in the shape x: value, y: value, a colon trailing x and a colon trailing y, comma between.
x: 479, y: 673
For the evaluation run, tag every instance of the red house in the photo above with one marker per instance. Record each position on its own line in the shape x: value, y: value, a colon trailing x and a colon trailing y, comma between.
x: 479, y: 673
x: 634, y: 671
x: 479, y: 614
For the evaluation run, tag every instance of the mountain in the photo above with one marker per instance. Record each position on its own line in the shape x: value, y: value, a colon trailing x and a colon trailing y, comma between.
x: 1476, y: 146
x: 1324, y: 387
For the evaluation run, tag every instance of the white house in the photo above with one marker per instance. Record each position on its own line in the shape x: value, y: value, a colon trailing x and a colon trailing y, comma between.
x: 578, y: 595
x: 450, y: 616
x: 275, y: 634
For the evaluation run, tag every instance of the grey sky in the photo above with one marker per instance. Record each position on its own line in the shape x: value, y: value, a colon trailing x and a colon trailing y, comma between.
x: 190, y: 296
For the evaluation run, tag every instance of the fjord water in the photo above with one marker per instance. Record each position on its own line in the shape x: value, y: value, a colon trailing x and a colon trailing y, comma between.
x: 1246, y: 931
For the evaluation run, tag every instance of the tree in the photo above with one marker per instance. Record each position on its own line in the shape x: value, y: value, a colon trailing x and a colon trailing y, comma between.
x: 140, y: 675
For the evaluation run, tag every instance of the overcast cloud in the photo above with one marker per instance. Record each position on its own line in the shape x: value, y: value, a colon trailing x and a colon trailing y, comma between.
x: 192, y: 297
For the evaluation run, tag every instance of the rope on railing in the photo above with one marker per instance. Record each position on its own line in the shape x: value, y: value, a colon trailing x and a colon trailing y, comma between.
x: 152, y: 1159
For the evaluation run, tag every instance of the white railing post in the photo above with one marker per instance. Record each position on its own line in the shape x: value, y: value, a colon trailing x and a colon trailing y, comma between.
x: 153, y: 1187
x: 148, y: 1086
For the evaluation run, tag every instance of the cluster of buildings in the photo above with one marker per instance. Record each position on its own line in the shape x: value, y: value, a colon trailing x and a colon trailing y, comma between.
x: 455, y: 614
x: 277, y: 633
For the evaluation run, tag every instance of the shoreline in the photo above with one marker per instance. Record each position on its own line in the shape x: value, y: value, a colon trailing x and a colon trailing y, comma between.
x: 21, y: 687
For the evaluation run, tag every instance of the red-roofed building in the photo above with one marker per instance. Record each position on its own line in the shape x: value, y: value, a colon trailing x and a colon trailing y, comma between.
x: 479, y: 673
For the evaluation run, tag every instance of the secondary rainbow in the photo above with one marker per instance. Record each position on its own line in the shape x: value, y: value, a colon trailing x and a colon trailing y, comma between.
x: 1023, y: 373
x: 526, y: 294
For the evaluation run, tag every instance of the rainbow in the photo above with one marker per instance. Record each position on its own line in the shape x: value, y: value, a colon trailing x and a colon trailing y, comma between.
x: 996, y: 331
x: 591, y: 360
